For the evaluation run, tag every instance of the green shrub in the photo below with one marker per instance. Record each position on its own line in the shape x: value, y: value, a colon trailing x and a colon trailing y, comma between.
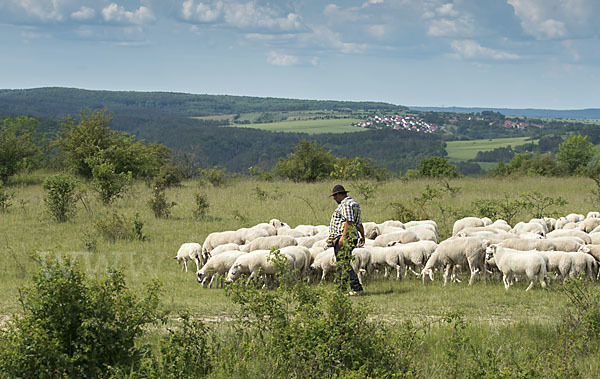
x: 309, y: 162
x: 60, y: 196
x: 5, y: 199
x: 109, y: 183
x: 18, y: 145
x: 73, y: 327
x: 201, y: 206
x: 119, y: 227
x: 159, y: 204
x: 437, y: 167
x: 216, y: 176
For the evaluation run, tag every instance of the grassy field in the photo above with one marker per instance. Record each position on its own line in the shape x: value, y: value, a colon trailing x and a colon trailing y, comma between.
x: 28, y: 234
x: 341, y: 125
x: 465, y: 150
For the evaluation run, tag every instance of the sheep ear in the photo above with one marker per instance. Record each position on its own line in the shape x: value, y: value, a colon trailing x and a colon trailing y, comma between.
x: 487, y: 243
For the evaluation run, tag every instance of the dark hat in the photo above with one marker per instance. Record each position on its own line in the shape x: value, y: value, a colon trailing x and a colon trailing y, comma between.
x: 338, y: 188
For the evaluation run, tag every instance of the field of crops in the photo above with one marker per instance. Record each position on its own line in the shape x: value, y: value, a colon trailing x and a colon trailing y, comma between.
x: 465, y: 150
x: 338, y: 125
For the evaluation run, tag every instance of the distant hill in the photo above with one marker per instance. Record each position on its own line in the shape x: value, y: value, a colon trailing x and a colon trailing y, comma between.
x: 575, y: 114
x: 60, y: 102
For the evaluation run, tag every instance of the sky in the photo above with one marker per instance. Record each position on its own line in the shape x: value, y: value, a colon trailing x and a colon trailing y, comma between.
x: 468, y: 53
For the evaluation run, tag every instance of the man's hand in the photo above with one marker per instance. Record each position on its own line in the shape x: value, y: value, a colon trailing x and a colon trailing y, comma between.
x: 361, y: 242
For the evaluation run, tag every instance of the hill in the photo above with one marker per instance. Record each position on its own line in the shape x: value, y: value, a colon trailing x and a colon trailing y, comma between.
x: 576, y: 114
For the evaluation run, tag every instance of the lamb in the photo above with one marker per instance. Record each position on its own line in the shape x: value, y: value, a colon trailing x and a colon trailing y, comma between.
x: 277, y: 224
x: 217, y: 265
x: 559, y: 262
x: 425, y: 233
x: 593, y: 214
x: 258, y: 261
x: 306, y: 230
x: 465, y: 223
x: 453, y: 252
x: 267, y: 243
x: 190, y: 251
x: 309, y: 241
x: 415, y: 254
x: 390, y: 223
x: 560, y: 222
x: 402, y: 237
x: 251, y: 234
x: 287, y: 231
x: 220, y: 238
x: 573, y: 233
x: 501, y: 224
x: 531, y: 264
x: 361, y: 262
x: 301, y: 256
x: 575, y: 217
x: 324, y: 263
x: 528, y: 244
x: 584, y: 263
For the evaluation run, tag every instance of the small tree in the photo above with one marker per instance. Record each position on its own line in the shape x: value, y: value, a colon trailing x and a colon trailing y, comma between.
x: 437, y: 167
x: 17, y: 145
x: 575, y: 152
x: 308, y: 163
x: 109, y: 184
x: 60, y: 196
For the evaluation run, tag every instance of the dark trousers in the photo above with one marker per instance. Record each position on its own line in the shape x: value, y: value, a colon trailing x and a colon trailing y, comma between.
x: 342, y: 260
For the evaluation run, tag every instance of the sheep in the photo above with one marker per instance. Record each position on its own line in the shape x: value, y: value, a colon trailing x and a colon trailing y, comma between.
x: 220, y: 238
x: 559, y: 262
x: 301, y: 256
x: 306, y: 230
x: 309, y: 241
x: 584, y: 263
x: 217, y: 265
x: 571, y: 233
x: 267, y: 243
x: 593, y: 214
x: 277, y: 224
x: 324, y: 263
x: 453, y: 252
x: 575, y: 217
x: 486, y: 221
x: 414, y: 255
x: 501, y: 224
x: 392, y: 229
x: 287, y: 231
x: 425, y: 232
x: 532, y: 264
x: 410, y: 224
x: 402, y: 237
x: 371, y: 230
x: 257, y: 261
x: 386, y: 258
x: 361, y: 262
x: 466, y: 223
x: 250, y: 234
x: 221, y: 248
x: 593, y: 250
x: 589, y: 224
x: 528, y: 244
x: 567, y: 243
x: 190, y: 251
x: 533, y: 227
x: 571, y: 225
x: 560, y: 222
x: 471, y: 231
x: 542, y: 222
x: 390, y: 223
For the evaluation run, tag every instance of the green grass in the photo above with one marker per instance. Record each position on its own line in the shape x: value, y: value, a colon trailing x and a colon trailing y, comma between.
x: 465, y: 150
x: 338, y: 125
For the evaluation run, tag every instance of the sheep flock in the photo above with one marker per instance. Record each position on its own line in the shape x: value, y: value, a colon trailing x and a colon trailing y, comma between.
x: 539, y: 251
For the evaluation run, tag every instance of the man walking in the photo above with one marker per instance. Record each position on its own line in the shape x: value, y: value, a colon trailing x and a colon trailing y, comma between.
x: 345, y: 233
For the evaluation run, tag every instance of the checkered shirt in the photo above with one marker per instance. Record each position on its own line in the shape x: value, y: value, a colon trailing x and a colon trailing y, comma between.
x: 348, y: 210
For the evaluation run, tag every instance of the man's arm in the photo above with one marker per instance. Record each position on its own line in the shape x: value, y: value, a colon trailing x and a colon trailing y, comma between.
x: 361, y: 239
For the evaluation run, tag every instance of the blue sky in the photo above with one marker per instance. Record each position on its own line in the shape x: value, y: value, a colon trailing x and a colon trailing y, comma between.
x: 484, y: 53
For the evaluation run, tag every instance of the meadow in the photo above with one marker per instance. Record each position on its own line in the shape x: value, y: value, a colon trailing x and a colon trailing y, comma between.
x: 336, y: 125
x: 516, y: 319
x: 465, y: 150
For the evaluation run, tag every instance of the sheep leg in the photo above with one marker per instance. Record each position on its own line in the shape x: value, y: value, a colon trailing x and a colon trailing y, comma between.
x: 398, y: 272
x: 211, y: 280
x: 530, y: 285
x: 197, y: 264
x: 447, y: 273
x: 506, y: 281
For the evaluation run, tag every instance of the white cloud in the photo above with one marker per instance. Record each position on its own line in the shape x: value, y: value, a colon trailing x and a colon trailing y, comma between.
x: 278, y: 59
x: 84, y: 14
x: 378, y: 31
x: 45, y: 11
x: 447, y: 10
x: 114, y: 13
x: 555, y: 19
x: 326, y: 37
x: 473, y: 50
x: 446, y: 27
x: 247, y: 15
x: 372, y: 2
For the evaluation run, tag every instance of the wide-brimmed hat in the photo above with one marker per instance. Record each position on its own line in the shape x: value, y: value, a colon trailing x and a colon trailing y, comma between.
x: 338, y: 188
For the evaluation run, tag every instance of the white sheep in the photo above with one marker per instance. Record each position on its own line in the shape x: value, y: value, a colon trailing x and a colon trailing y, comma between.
x: 570, y: 232
x: 301, y: 256
x: 559, y: 262
x: 583, y: 263
x: 221, y: 248
x: 277, y: 224
x: 220, y: 238
x: 531, y: 264
x: 453, y: 253
x: 287, y: 231
x: 388, y: 258
x: 589, y: 224
x: 190, y: 251
x: 593, y: 214
x: 465, y: 223
x: 528, y: 244
x: 217, y: 265
x: 425, y: 232
x: 255, y: 262
x: 324, y: 263
x: 575, y: 217
x: 532, y: 227
x: 560, y: 222
x: 401, y: 236
x: 371, y: 230
x: 567, y: 243
x: 267, y: 243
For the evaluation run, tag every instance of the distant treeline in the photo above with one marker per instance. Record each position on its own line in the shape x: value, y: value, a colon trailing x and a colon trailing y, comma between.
x: 578, y: 114
x: 60, y: 102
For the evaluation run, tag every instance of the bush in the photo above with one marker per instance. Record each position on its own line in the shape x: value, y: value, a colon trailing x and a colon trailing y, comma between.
x: 202, y: 205
x: 437, y: 167
x: 17, y: 145
x: 119, y: 227
x: 158, y: 202
x: 73, y: 327
x: 216, y: 176
x: 109, y: 183
x: 5, y: 199
x: 309, y: 162
x: 358, y: 168
x: 60, y: 196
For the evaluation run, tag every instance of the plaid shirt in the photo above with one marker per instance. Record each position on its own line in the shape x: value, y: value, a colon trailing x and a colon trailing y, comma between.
x: 347, y: 210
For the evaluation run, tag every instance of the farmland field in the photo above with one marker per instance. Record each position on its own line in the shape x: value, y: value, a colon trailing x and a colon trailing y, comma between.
x: 341, y: 125
x: 515, y: 320
x: 465, y: 150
